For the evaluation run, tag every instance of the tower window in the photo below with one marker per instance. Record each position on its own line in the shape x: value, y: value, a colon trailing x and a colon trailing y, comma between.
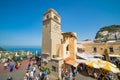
x: 55, y: 18
x: 47, y: 16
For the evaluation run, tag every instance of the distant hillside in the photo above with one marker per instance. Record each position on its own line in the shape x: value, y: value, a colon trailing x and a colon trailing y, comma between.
x: 1, y: 49
x: 106, y: 33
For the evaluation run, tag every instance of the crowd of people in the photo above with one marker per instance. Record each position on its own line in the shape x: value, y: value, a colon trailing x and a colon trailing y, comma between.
x: 69, y: 74
x: 31, y: 70
x: 9, y: 64
x: 115, y: 62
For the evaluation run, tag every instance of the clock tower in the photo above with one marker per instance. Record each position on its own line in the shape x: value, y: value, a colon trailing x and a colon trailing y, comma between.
x: 51, y: 33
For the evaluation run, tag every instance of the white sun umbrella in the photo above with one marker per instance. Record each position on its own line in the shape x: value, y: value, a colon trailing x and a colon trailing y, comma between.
x: 80, y: 46
x: 83, y: 55
x: 81, y: 61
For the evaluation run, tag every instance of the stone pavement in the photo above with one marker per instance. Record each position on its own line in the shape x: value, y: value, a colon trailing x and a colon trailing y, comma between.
x: 18, y: 74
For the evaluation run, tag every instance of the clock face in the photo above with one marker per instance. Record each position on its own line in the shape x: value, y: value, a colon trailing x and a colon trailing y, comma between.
x: 56, y: 27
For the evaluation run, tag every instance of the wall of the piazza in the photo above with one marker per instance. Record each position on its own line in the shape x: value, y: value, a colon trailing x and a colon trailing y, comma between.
x: 112, y: 48
x: 115, y: 46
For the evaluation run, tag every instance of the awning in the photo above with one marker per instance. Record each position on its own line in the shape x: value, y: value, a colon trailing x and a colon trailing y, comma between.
x: 71, y: 62
x: 112, y: 55
x: 81, y: 61
x: 80, y: 46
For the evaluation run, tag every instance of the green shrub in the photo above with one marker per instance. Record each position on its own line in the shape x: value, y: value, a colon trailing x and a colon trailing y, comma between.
x: 16, y: 59
x: 24, y: 57
x: 44, y: 68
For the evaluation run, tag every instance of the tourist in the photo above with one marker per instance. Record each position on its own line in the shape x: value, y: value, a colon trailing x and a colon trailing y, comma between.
x: 28, y: 67
x: 11, y: 66
x: 10, y: 78
x: 46, y: 71
x: 30, y: 59
x: 5, y: 65
x: 95, y: 75
x: 40, y: 73
x: 19, y: 63
x: 111, y: 77
x: 118, y: 76
x: 27, y: 75
x: 34, y: 69
x: 16, y: 65
x: 31, y: 74
x: 46, y: 77
x: 62, y: 75
x: 37, y: 77
x: 74, y: 75
x: 39, y: 62
x: 42, y: 76
x: 71, y: 74
x: 69, y: 78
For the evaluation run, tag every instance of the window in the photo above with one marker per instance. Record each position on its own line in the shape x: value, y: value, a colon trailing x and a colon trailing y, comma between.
x: 55, y: 18
x: 111, y: 49
x: 67, y: 48
x: 94, y: 49
x: 47, y: 16
x: 101, y: 48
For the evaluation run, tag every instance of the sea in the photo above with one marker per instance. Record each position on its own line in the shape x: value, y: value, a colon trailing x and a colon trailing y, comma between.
x: 32, y: 49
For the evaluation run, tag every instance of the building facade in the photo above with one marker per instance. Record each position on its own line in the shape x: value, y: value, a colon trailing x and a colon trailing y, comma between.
x: 93, y: 47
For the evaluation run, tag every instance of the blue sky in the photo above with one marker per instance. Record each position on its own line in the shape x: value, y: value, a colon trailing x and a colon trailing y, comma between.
x: 21, y: 20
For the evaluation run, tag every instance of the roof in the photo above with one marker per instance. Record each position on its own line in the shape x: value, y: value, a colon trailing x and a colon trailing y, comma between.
x: 85, y: 42
x: 52, y: 10
x: 70, y: 34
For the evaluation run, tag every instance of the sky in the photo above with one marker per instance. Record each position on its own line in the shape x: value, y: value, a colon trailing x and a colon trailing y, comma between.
x: 21, y: 20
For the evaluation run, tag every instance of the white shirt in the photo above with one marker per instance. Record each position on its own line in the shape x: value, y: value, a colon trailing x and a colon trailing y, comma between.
x: 40, y: 73
x: 36, y: 78
x: 34, y: 68
x: 5, y: 64
x: 31, y: 74
x: 27, y: 74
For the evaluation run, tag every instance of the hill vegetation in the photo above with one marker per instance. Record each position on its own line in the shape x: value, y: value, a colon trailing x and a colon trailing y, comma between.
x: 108, y: 32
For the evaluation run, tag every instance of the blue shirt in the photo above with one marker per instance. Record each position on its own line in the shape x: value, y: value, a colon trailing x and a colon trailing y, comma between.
x: 68, y: 79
